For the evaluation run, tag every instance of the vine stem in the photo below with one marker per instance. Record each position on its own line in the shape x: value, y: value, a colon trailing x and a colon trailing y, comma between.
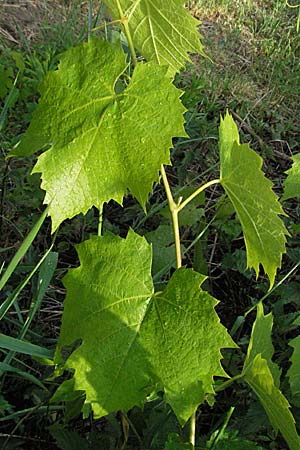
x: 197, y: 192
x: 175, y: 208
x: 100, y: 221
x: 124, y: 21
x: 174, y: 213
x: 193, y: 429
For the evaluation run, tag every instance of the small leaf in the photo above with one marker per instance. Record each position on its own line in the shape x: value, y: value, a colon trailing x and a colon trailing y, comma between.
x: 135, y: 342
x: 175, y: 443
x: 294, y: 370
x: 101, y: 142
x: 162, y: 31
x: 255, y: 203
x: 260, y: 379
x: 292, y: 183
x: 263, y: 376
x: 261, y: 342
x: 67, y: 439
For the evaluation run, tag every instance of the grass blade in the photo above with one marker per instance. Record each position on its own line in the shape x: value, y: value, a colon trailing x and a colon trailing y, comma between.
x: 12, y: 298
x: 16, y: 345
x: 23, y: 249
x: 46, y: 273
x: 28, y: 376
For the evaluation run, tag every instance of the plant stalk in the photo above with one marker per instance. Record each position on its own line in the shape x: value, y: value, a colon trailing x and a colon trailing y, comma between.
x: 124, y: 21
x: 193, y: 429
x: 197, y: 192
x: 174, y: 214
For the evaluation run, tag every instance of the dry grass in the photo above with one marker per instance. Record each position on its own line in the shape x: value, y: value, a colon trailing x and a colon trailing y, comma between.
x: 26, y: 17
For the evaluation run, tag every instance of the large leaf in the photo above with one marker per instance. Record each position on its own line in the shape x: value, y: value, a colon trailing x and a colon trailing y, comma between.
x: 263, y: 376
x: 255, y: 203
x: 102, y: 142
x: 163, y: 31
x: 294, y: 370
x: 292, y: 182
x: 134, y: 341
x: 259, y: 377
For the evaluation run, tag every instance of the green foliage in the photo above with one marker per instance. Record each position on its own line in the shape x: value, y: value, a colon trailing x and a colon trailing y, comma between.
x: 106, y: 128
x: 261, y: 342
x: 294, y: 371
x: 262, y: 375
x: 75, y: 113
x: 260, y: 379
x: 255, y: 203
x: 134, y: 341
x: 163, y: 32
x: 175, y: 443
x: 292, y: 182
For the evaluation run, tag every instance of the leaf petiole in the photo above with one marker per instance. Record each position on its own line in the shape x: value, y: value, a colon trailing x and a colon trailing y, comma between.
x: 198, y: 191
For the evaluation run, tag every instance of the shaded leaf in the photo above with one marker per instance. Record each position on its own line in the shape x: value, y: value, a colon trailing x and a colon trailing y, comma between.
x: 175, y: 443
x: 294, y: 370
x: 292, y: 183
x: 67, y: 439
x: 135, y: 342
x: 255, y: 203
x: 163, y: 248
x: 261, y: 342
x: 162, y: 31
x: 102, y: 142
x: 260, y: 379
x: 263, y: 376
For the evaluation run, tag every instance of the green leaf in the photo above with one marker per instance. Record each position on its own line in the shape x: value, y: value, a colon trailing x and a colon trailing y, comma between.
x: 135, y: 342
x: 263, y: 376
x: 292, y: 183
x: 294, y: 370
x: 67, y: 439
x: 260, y: 379
x: 261, y: 342
x: 162, y: 31
x: 175, y: 443
x: 255, y: 203
x: 102, y: 143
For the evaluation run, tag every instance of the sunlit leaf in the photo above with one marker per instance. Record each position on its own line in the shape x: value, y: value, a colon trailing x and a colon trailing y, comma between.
x: 162, y: 31
x: 292, y: 183
x: 101, y: 142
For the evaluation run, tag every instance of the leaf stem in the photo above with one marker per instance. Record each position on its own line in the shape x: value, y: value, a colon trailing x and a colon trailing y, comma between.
x: 197, y: 192
x: 124, y: 21
x: 227, y: 383
x: 193, y: 429
x: 175, y: 208
x: 100, y: 221
x: 174, y: 213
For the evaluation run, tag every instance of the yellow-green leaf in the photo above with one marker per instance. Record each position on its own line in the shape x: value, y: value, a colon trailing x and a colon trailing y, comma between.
x: 162, y: 31
x: 256, y: 205
x: 102, y: 141
x: 292, y: 183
